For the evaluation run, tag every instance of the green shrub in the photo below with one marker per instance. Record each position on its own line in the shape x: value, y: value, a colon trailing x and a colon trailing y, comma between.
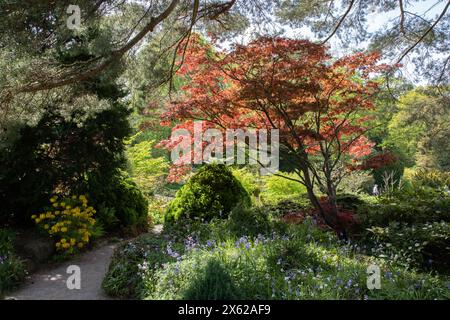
x: 287, y: 206
x: 349, y: 201
x: 249, y: 180
x: 356, y: 182
x: 212, y: 192
x: 408, y: 205
x: 249, y: 221
x: 423, y: 245
x: 212, y: 283
x: 56, y: 155
x: 432, y: 178
x: 12, y: 269
x: 278, y: 189
x: 157, y: 207
x: 119, y: 201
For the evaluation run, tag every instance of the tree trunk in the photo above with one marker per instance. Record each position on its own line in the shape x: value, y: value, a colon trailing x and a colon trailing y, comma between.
x: 330, y: 219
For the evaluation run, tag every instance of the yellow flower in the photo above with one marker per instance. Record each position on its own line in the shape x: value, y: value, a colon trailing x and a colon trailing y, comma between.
x: 53, y: 199
x: 55, y: 204
x: 38, y: 220
x: 80, y: 245
x: 33, y: 216
x: 72, y: 241
x: 63, y: 229
x: 63, y: 240
x: 46, y: 226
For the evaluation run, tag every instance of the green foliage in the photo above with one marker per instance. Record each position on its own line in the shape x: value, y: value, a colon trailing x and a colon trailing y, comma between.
x: 130, y: 262
x: 148, y: 172
x: 278, y: 188
x: 249, y: 221
x: 410, y: 225
x: 12, y: 269
x: 420, y: 128
x: 356, y: 183
x: 57, y: 154
x: 423, y: 245
x: 211, y: 283
x: 301, y: 263
x: 249, y: 180
x: 431, y: 178
x: 286, y: 206
x: 157, y: 207
x: 415, y: 205
x: 212, y: 192
x: 119, y: 201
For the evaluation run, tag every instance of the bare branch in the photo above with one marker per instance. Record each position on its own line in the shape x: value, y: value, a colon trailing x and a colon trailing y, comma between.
x: 341, y: 20
x: 425, y: 34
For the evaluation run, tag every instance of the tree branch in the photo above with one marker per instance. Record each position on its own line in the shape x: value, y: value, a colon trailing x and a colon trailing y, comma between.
x: 117, y: 54
x: 341, y: 20
x: 425, y: 34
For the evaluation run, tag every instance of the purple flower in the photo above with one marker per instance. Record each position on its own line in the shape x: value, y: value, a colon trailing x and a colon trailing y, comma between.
x: 349, y: 283
x: 172, y: 253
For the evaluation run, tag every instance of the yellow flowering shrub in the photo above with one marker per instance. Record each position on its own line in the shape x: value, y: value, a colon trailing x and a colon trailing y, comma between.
x: 69, y: 221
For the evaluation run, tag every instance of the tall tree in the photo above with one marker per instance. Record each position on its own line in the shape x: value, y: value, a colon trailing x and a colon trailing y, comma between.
x: 318, y: 104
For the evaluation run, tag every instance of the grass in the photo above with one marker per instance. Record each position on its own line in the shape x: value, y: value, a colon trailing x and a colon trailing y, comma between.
x: 219, y: 261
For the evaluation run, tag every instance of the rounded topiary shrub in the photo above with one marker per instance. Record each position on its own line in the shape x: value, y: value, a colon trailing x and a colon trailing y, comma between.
x: 119, y: 203
x: 211, y: 193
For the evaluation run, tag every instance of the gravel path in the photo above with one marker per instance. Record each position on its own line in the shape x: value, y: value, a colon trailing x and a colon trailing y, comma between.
x: 51, y: 284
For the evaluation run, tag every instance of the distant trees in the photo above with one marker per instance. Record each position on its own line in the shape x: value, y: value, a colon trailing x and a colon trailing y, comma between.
x: 420, y: 128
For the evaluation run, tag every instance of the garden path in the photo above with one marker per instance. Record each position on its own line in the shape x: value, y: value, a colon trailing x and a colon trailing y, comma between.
x: 52, y: 284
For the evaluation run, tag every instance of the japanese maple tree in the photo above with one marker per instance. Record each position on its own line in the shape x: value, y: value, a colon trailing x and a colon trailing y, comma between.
x: 318, y: 104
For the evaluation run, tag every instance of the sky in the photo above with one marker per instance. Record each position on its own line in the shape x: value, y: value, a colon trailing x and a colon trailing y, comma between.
x: 430, y: 9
